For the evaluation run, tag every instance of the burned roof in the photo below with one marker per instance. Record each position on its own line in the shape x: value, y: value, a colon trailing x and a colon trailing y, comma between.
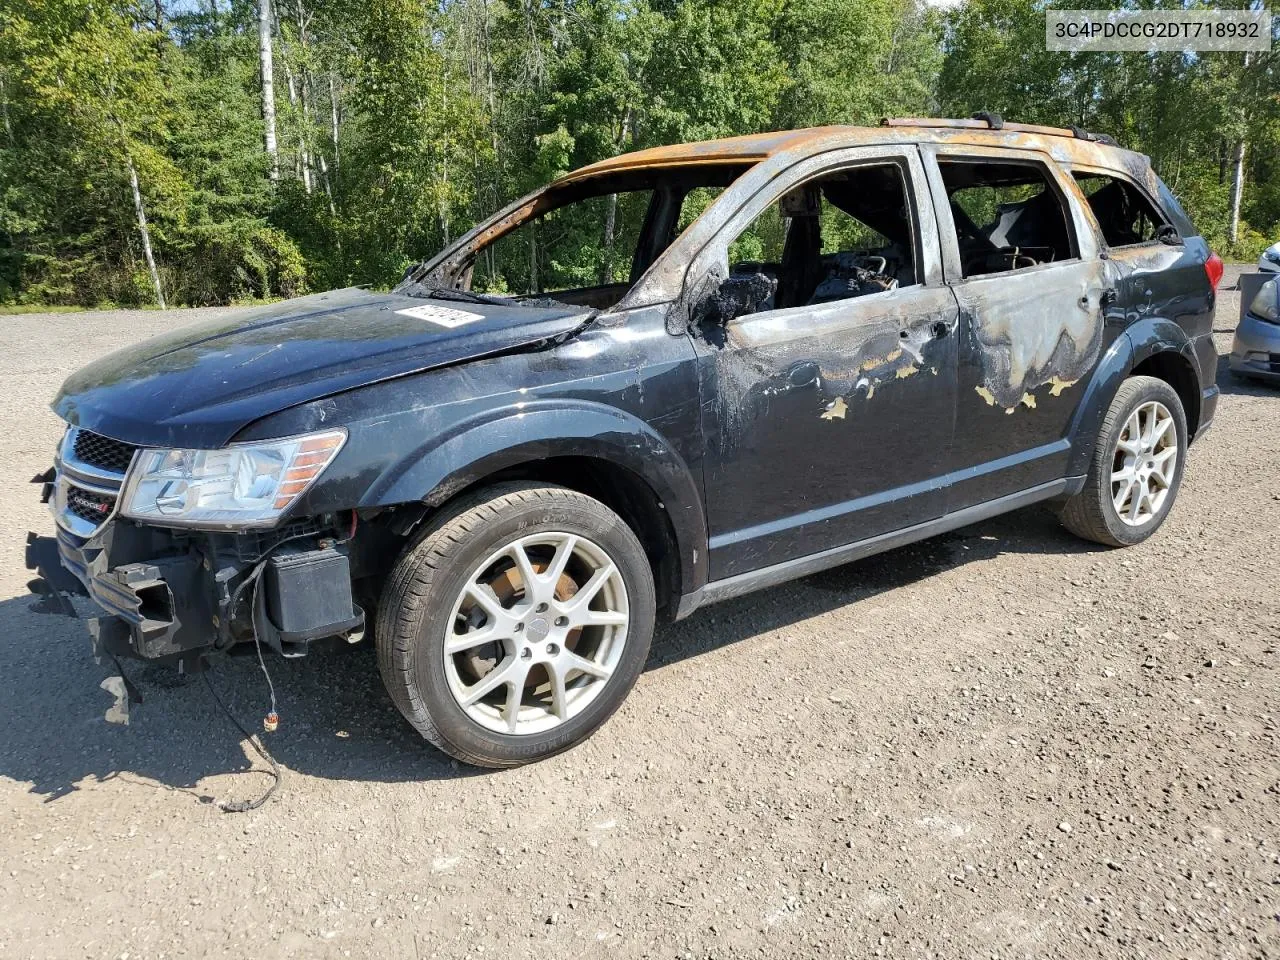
x: 1066, y: 145
x: 751, y: 147
x: 1072, y: 148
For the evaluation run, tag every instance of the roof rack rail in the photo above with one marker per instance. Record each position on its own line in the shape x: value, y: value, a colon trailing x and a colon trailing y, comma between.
x: 993, y: 121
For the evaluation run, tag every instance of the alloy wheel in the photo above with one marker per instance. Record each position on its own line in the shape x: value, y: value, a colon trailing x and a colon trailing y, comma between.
x: 1145, y: 464
x: 535, y: 633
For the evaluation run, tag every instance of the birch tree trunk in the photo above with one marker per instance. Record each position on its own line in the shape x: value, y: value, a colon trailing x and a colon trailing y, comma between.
x: 606, y: 257
x: 1237, y: 159
x: 324, y: 179
x: 268, y: 87
x: 145, y: 232
x: 611, y: 211
x: 444, y: 169
x: 490, y: 96
x: 1237, y: 190
x: 492, y: 102
x: 327, y: 174
x: 333, y: 120
x: 303, y: 160
x: 533, y: 257
x: 305, y: 94
x: 307, y: 178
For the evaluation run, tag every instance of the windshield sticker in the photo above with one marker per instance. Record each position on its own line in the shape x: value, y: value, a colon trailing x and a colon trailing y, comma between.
x: 445, y: 316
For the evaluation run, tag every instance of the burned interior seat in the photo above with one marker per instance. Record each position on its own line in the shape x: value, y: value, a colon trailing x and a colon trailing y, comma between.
x: 1032, y: 223
x: 1023, y: 220
x: 801, y: 261
x: 975, y: 246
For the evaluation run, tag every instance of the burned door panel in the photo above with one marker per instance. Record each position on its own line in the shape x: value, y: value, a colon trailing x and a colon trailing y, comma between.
x: 1032, y: 292
x: 828, y: 414
x: 1033, y: 330
x: 826, y: 425
x: 1027, y: 341
x: 1160, y: 280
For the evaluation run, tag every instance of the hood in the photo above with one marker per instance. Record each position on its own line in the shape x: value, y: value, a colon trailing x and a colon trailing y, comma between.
x: 200, y: 385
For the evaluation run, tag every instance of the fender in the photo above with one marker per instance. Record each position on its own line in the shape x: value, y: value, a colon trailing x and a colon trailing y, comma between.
x: 538, y: 429
x: 1138, y: 342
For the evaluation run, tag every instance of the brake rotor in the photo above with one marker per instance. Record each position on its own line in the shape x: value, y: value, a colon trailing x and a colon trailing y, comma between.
x: 507, y: 586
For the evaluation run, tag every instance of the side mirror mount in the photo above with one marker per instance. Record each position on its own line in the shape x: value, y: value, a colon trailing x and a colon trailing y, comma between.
x: 1167, y: 234
x: 737, y: 295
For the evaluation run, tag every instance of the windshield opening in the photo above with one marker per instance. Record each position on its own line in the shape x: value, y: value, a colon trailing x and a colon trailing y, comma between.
x: 585, y: 243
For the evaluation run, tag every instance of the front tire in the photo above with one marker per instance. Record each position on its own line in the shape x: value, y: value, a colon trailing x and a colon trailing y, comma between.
x: 517, y: 624
x: 1136, y: 468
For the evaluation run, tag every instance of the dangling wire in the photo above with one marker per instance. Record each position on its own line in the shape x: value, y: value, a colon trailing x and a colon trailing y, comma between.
x: 244, y: 806
x: 272, y: 720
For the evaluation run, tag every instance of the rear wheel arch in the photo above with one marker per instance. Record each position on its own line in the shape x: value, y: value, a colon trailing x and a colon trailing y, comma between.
x: 1152, y: 347
x: 1162, y: 349
x: 1175, y: 368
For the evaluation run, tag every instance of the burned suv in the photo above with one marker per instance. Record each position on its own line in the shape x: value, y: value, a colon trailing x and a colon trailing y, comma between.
x: 663, y: 380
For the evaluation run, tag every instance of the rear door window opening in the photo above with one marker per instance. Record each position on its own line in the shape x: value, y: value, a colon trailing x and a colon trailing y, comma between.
x: 1007, y: 215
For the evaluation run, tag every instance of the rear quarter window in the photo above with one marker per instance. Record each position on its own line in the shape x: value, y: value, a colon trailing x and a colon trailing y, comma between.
x: 1173, y: 209
x: 1124, y: 213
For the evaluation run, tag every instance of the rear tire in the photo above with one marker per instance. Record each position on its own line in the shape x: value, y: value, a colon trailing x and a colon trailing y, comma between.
x: 481, y: 643
x: 1136, y: 468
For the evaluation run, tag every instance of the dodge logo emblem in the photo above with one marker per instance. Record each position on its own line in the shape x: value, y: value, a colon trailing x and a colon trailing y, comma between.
x: 84, y: 503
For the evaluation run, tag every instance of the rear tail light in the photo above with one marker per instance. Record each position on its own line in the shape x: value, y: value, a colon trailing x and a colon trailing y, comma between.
x: 1213, y: 270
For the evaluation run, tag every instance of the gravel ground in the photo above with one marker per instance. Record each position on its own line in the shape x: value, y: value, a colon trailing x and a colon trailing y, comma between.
x: 1004, y: 742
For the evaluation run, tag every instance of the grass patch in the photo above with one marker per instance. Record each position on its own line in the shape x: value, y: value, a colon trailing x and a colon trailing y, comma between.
x: 17, y: 309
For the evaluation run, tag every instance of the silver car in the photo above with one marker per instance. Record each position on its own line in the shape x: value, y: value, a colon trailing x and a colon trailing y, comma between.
x: 1255, y: 351
x: 1269, y: 262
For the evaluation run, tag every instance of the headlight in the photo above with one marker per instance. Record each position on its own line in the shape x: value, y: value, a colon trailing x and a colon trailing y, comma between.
x: 249, y: 484
x: 1267, y: 303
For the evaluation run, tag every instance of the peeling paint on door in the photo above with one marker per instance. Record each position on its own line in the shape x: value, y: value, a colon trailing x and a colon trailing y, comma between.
x: 1035, y: 328
x: 845, y: 366
x: 836, y: 409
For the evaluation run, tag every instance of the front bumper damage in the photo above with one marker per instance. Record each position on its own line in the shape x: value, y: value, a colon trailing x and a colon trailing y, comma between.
x: 180, y: 596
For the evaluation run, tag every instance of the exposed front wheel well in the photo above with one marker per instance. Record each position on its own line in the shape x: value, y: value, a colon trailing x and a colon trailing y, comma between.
x: 622, y: 491
x: 1177, y: 371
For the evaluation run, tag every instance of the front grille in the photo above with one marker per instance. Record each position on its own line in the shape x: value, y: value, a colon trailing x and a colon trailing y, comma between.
x: 103, y: 452
x: 88, y: 505
x: 91, y: 471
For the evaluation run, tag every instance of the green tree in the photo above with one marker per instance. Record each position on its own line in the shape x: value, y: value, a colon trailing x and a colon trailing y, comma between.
x: 135, y: 167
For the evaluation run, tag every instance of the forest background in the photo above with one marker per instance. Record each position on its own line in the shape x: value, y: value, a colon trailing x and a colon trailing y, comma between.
x: 190, y: 152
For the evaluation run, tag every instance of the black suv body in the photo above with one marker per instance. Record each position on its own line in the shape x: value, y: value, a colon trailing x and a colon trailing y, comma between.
x: 799, y: 348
